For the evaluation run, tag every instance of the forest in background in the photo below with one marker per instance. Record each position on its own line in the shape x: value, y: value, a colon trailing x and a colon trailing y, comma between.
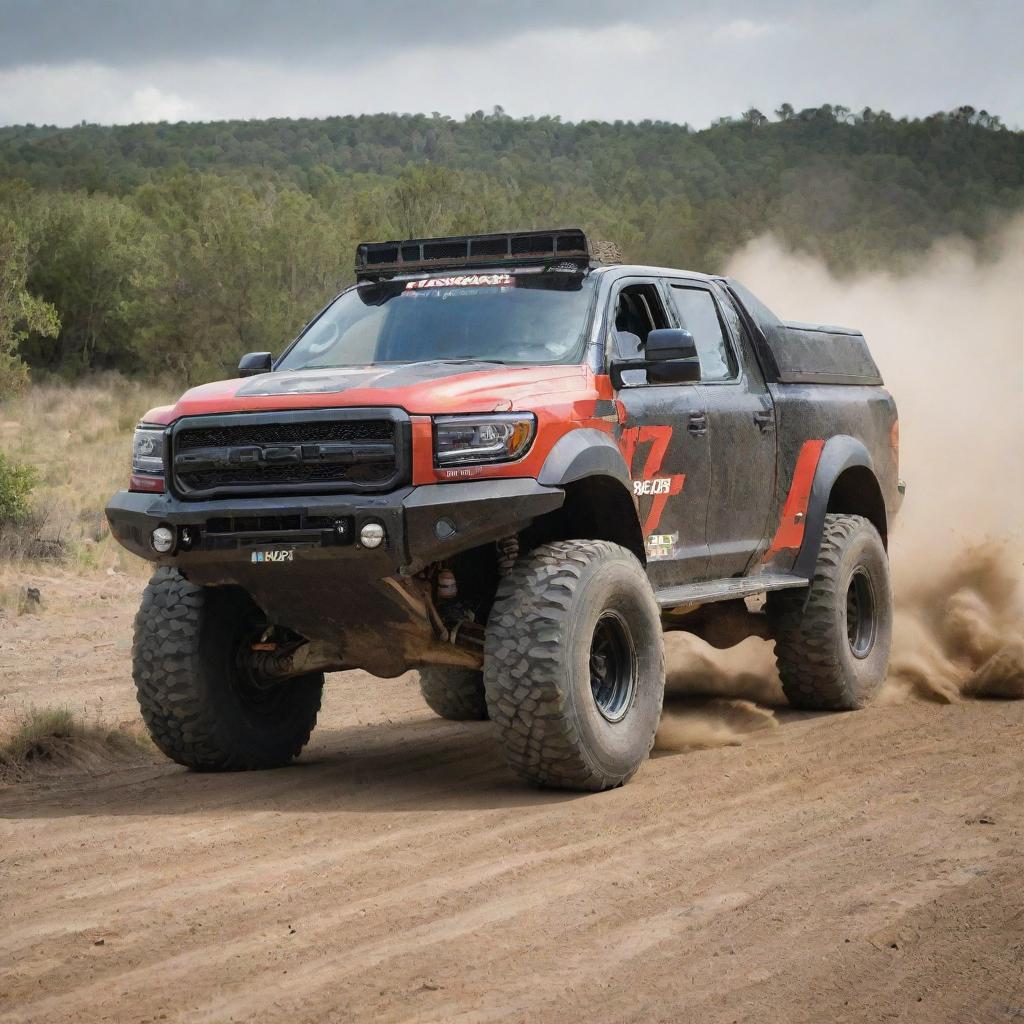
x: 173, y: 248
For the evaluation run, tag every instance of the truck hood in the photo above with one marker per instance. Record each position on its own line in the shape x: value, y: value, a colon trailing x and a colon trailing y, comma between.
x: 429, y: 388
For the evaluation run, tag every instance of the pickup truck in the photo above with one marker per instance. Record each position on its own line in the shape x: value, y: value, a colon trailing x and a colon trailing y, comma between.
x: 512, y: 466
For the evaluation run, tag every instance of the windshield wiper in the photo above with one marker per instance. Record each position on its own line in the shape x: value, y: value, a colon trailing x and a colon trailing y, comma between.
x: 469, y: 359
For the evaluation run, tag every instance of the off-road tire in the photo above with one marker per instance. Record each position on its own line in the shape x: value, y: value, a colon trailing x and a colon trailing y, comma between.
x: 538, y: 664
x: 454, y: 693
x: 816, y: 631
x: 191, y: 689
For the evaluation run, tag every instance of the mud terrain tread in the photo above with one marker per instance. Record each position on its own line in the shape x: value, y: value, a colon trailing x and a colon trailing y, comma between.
x: 168, y: 666
x: 803, y: 624
x: 454, y: 693
x: 523, y: 666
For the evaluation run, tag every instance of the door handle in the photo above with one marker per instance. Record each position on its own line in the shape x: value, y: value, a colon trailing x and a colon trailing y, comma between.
x: 697, y: 424
x: 764, y: 420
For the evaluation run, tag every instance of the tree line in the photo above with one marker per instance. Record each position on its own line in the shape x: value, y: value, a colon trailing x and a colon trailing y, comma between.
x: 172, y: 248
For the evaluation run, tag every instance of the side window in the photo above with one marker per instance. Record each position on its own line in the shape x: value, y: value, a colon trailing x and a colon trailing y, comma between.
x: 638, y: 311
x: 735, y: 324
x: 732, y: 318
x: 699, y: 315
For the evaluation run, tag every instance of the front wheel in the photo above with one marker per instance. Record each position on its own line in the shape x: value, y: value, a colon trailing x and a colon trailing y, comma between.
x: 574, y: 665
x: 204, y: 703
x: 832, y: 639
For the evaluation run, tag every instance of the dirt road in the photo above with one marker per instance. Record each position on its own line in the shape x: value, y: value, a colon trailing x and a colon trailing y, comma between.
x: 860, y: 867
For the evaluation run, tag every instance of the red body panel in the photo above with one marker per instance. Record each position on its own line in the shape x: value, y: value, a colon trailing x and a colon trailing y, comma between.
x: 790, y: 533
x: 563, y: 398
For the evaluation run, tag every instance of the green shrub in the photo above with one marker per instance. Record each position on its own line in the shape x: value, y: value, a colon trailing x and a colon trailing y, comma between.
x: 16, y: 483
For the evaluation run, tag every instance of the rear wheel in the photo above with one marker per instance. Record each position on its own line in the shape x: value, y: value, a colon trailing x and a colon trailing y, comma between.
x: 574, y: 665
x: 454, y: 693
x: 832, y: 639
x: 204, y: 701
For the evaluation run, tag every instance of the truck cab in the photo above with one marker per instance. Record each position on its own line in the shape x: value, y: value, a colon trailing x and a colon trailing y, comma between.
x: 511, y: 465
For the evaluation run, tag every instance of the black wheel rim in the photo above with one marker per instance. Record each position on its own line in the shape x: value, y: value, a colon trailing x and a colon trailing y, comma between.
x: 612, y: 667
x: 861, y: 623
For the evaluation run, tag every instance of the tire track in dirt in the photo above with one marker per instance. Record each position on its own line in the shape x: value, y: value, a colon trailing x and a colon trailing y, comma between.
x: 403, y: 880
x: 399, y: 873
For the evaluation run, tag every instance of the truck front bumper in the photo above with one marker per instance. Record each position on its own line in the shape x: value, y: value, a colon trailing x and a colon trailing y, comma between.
x: 421, y: 525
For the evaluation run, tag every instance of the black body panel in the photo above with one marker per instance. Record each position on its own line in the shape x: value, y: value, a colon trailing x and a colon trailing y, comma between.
x: 226, y: 533
x: 582, y: 453
x: 671, y: 470
x: 664, y: 437
x: 742, y: 435
x: 857, y: 426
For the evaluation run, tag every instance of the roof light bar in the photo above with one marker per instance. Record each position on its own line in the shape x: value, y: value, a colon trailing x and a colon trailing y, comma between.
x: 384, y: 259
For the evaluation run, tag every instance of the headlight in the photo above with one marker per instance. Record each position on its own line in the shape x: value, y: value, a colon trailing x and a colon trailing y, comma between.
x: 148, y: 450
x: 498, y: 437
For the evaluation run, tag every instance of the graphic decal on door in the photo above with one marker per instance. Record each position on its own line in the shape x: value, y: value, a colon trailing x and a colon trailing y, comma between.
x: 651, y: 484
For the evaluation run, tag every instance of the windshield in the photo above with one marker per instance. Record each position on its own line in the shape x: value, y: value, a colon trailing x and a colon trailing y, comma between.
x: 472, y: 317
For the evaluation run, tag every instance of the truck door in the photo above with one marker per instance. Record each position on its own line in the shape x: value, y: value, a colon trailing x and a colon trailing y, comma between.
x: 741, y: 426
x: 665, y: 443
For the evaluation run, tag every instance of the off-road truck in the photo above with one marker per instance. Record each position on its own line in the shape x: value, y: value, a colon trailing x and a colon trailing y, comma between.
x: 512, y: 466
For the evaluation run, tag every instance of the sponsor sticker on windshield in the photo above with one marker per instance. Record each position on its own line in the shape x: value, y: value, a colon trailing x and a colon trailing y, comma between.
x: 462, y: 281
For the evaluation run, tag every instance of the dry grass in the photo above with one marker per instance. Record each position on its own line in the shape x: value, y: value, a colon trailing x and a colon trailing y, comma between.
x: 77, y: 438
x: 18, y: 598
x: 53, y: 740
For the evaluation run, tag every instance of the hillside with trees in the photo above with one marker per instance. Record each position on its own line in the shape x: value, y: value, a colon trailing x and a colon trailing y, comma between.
x: 175, y: 247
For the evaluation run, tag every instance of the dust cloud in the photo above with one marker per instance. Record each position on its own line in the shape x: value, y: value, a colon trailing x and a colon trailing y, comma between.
x: 949, y: 339
x: 715, y: 698
x: 713, y: 723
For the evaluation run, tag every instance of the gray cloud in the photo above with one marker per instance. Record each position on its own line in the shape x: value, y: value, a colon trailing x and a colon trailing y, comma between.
x: 126, y: 33
x: 125, y: 60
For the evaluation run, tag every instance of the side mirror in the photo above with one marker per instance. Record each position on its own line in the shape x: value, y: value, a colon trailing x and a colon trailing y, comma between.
x: 670, y: 357
x: 670, y: 343
x: 253, y: 363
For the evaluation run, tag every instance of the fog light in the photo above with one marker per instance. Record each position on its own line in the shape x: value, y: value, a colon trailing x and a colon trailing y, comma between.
x: 162, y: 540
x: 371, y: 535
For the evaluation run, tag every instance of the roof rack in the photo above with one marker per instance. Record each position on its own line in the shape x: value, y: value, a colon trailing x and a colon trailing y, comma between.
x: 375, y: 260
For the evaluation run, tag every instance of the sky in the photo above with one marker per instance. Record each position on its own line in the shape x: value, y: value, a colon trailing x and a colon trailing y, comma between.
x: 122, y: 61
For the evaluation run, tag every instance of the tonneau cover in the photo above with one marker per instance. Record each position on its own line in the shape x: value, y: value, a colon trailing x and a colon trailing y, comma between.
x: 817, y: 354
x: 798, y: 353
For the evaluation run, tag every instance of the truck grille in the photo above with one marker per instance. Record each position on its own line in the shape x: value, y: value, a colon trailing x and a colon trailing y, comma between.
x: 319, y: 452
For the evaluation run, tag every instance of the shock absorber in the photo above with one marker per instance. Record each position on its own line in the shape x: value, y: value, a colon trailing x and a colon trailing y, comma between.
x: 508, y: 553
x: 447, y: 587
